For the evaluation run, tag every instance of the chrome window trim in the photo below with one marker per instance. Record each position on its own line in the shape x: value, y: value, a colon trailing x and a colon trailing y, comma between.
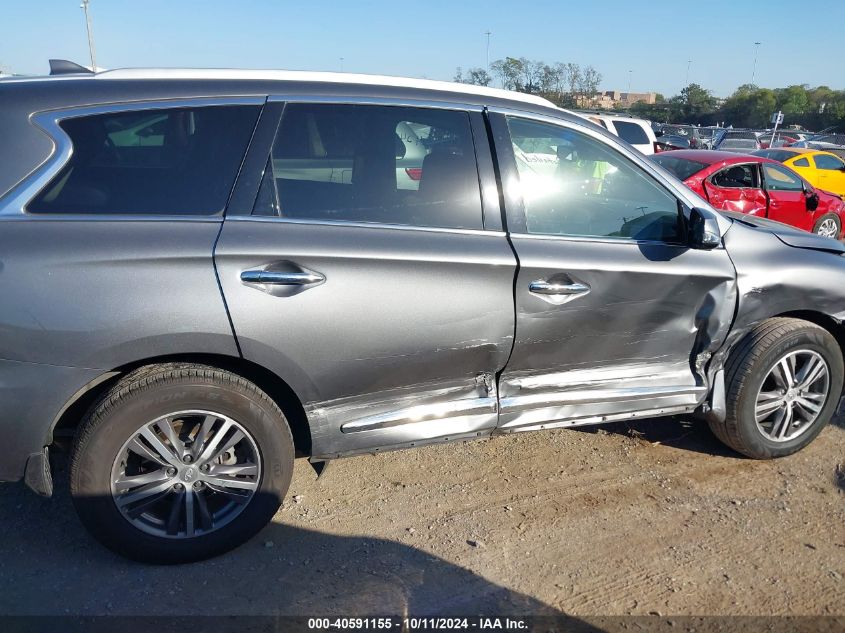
x: 596, y: 239
x: 48, y: 121
x: 362, y: 225
x: 663, y: 177
x: 385, y: 101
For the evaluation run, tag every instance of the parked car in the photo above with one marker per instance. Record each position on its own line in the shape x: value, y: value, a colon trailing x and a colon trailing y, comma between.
x: 692, y: 133
x: 637, y: 132
x: 186, y: 316
x: 757, y: 186
x: 770, y: 139
x: 833, y: 143
x: 739, y: 141
x: 821, y: 169
x: 669, y: 142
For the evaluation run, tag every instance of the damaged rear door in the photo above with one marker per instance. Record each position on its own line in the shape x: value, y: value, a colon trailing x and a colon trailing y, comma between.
x: 615, y: 314
x: 383, y: 297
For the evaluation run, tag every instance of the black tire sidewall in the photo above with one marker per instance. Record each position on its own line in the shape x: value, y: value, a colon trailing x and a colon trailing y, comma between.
x: 94, y: 458
x: 811, y: 338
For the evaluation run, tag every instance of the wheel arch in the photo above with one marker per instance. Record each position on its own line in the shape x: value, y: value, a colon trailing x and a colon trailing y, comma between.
x: 69, y: 417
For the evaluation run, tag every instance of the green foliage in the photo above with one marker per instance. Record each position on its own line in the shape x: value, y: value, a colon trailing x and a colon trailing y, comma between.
x: 568, y: 85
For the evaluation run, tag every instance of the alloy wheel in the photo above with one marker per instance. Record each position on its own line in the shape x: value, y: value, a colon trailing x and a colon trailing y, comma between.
x: 828, y: 228
x: 792, y: 395
x: 186, y: 474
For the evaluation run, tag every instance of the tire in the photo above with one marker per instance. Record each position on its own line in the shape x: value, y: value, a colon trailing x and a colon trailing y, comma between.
x: 824, y: 226
x: 750, y: 373
x: 241, y: 486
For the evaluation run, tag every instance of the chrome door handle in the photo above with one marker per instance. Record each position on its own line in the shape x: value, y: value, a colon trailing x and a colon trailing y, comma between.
x: 277, y: 278
x: 542, y: 287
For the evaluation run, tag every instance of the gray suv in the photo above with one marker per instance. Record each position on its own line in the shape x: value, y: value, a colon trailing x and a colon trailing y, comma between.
x: 207, y: 273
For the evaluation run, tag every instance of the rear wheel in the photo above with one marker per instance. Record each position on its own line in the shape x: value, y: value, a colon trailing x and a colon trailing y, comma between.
x: 829, y: 225
x: 179, y: 463
x: 784, y: 381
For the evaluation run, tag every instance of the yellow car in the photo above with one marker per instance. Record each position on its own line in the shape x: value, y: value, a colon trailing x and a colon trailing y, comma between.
x: 821, y: 169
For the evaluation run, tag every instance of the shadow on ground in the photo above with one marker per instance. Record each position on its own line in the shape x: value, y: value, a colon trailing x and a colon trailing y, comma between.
x: 50, y: 566
x: 678, y: 432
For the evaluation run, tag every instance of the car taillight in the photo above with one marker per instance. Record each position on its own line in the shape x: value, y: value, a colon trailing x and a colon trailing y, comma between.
x: 657, y: 147
x: 414, y: 173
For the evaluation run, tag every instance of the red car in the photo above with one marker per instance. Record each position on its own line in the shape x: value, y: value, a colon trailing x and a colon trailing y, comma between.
x: 757, y: 186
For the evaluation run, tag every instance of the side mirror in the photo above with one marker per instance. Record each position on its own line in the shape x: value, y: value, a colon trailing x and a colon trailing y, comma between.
x: 811, y: 199
x: 703, y: 231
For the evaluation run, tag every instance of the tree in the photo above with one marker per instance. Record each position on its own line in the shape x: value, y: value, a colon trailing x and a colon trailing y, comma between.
x: 474, y: 76
x: 589, y: 80
x: 509, y: 71
x: 693, y: 103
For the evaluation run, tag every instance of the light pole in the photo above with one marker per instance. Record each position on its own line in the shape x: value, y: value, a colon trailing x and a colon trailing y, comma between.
x: 84, y: 7
x: 689, y: 63
x: 488, y: 34
x: 754, y: 69
x: 341, y: 64
x: 630, y: 73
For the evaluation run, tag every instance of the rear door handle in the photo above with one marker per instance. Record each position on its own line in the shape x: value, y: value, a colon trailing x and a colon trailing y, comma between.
x: 542, y: 287
x: 278, y: 278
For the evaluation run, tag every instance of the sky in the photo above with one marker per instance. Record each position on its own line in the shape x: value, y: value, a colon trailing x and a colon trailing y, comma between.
x: 648, y: 43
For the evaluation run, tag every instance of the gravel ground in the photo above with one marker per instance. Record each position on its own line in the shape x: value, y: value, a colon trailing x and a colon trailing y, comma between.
x: 653, y: 517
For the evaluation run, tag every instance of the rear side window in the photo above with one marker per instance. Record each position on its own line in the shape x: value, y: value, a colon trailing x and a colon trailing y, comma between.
x: 737, y: 177
x: 683, y: 168
x: 363, y: 163
x: 174, y: 161
x: 631, y: 133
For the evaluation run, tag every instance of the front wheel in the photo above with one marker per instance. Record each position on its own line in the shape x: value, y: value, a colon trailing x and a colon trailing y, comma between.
x: 783, y: 381
x: 178, y: 463
x: 829, y: 225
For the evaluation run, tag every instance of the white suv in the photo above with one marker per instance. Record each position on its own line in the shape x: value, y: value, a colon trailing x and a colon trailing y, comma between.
x: 637, y: 132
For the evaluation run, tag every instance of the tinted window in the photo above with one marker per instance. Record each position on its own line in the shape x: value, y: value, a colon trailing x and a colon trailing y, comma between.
x: 780, y: 179
x: 631, y: 133
x: 169, y: 161
x: 737, y: 177
x: 683, y: 168
x: 387, y: 164
x: 802, y: 162
x: 828, y: 162
x: 779, y: 155
x: 573, y: 184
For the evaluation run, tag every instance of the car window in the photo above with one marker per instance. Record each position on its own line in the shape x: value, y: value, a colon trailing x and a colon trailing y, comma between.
x: 737, y: 177
x: 801, y: 162
x: 178, y: 161
x: 573, y: 184
x: 631, y: 133
x: 363, y: 163
x: 683, y: 168
x: 828, y: 162
x: 779, y: 155
x: 780, y: 179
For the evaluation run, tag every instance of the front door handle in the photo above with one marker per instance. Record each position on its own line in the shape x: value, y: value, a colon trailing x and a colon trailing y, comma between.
x: 542, y: 287
x: 279, y: 278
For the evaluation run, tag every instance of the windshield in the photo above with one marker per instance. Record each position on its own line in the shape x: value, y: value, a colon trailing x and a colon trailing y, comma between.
x: 683, y: 168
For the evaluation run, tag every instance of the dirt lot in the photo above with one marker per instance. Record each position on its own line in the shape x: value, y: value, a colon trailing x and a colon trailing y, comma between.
x: 643, y: 518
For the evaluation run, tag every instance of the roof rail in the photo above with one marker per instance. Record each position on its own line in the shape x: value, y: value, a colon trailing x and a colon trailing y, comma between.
x: 65, y: 67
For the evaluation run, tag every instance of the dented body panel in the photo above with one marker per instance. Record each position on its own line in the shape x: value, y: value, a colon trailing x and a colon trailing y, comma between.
x: 401, y: 341
x: 636, y: 342
x: 781, y: 271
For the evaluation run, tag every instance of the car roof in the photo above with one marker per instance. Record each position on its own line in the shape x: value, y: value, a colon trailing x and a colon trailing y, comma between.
x: 233, y: 74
